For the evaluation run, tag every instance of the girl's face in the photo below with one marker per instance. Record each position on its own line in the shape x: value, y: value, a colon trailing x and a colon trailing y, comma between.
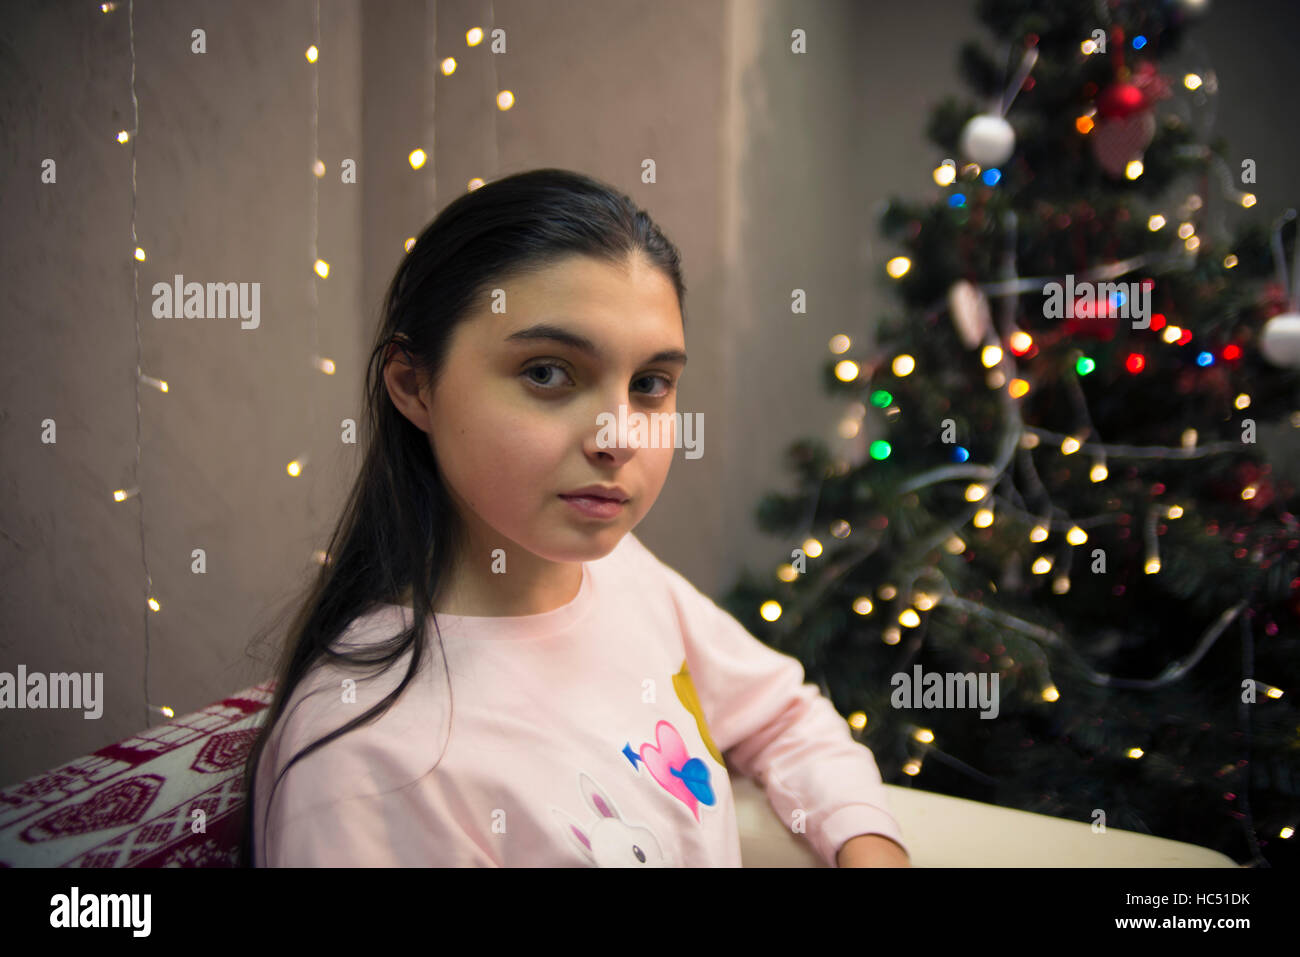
x: 513, y: 422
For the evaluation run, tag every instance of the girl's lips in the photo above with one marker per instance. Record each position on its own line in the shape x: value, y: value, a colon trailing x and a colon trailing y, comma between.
x: 594, y: 507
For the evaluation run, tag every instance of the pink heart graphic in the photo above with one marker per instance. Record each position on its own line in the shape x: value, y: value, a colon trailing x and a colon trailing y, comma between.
x: 661, y: 760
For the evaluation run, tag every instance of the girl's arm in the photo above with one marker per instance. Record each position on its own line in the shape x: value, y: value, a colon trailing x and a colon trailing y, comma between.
x: 871, y: 850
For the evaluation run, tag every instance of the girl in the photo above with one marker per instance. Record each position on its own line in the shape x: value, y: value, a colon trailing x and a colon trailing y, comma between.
x: 592, y: 690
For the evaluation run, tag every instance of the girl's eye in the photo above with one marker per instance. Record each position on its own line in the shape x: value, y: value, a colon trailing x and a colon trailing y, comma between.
x: 545, y: 383
x: 667, y: 387
x: 547, y: 380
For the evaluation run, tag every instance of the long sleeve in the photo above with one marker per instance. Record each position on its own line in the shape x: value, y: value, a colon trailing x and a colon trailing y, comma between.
x: 773, y: 727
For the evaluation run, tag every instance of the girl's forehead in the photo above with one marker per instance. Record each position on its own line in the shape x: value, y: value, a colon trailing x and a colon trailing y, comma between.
x: 599, y: 339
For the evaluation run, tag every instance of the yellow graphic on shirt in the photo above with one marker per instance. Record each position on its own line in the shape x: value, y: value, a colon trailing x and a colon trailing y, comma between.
x: 685, y: 689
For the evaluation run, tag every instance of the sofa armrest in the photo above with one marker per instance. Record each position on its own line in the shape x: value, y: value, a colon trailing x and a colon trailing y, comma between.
x: 943, y: 831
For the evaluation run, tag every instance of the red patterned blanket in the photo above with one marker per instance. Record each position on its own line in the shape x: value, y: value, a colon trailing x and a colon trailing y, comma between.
x: 171, y: 796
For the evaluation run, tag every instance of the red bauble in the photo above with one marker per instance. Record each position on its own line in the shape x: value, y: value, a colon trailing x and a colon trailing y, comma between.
x: 1121, y: 100
x: 1126, y: 121
x: 1092, y: 320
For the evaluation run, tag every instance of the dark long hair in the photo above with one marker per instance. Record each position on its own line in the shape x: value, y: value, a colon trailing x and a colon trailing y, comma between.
x: 400, y: 528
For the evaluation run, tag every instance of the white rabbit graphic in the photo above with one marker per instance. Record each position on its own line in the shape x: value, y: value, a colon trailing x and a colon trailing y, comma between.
x: 610, y: 841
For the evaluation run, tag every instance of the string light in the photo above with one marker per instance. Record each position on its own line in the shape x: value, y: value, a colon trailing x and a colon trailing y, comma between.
x: 898, y: 266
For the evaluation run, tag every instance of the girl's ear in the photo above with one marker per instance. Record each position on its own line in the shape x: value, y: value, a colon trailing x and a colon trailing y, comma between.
x: 398, y: 344
x: 403, y: 385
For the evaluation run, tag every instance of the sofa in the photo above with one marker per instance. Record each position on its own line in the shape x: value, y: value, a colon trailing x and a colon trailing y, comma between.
x: 172, y: 796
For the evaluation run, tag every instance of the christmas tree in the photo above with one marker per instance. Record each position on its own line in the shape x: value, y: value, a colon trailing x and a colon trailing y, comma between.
x: 1050, y: 567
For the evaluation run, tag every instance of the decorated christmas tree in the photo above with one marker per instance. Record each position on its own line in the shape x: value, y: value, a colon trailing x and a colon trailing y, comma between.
x: 1049, y: 565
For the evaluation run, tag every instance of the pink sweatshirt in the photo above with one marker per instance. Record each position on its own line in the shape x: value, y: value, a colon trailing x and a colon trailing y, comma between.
x: 590, y: 735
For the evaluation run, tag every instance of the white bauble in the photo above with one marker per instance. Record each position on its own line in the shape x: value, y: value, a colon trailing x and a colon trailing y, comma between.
x: 1280, y: 341
x: 988, y: 140
x: 970, y: 312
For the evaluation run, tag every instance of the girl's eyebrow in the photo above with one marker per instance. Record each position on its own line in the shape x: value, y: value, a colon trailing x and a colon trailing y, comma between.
x: 582, y: 343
